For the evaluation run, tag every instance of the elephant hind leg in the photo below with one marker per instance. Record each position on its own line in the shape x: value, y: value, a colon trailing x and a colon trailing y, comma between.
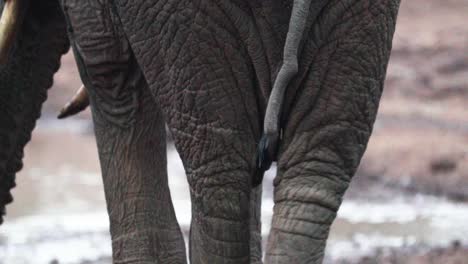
x: 330, y: 115
x: 255, y: 225
x: 221, y: 206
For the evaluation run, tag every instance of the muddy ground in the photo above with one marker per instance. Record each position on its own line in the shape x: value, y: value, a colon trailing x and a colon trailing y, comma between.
x: 419, y: 145
x: 454, y: 254
x: 421, y: 136
x: 420, y: 140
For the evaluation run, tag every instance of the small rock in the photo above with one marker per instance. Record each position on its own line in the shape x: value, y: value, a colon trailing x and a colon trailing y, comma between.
x: 443, y: 166
x: 456, y: 244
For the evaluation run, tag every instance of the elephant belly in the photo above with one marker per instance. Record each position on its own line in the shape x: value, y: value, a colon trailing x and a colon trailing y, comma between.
x: 106, y: 63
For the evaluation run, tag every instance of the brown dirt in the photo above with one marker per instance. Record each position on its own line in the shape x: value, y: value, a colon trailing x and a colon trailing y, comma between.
x: 66, y: 83
x: 420, y: 140
x: 455, y: 254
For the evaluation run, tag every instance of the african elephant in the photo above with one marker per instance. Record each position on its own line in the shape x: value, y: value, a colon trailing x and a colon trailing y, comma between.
x: 209, y: 69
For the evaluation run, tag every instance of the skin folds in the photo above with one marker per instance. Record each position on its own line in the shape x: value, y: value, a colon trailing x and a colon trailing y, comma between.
x: 24, y: 79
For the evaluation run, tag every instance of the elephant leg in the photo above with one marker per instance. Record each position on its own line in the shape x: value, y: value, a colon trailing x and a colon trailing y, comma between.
x: 144, y: 227
x: 131, y: 139
x: 330, y: 115
x: 256, y: 225
x: 221, y: 224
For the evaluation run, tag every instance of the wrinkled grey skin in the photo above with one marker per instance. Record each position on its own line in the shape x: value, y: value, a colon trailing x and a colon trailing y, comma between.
x: 207, y: 68
x: 24, y: 81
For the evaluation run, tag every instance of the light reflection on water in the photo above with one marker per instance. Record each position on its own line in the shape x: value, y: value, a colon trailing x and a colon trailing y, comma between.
x: 59, y: 209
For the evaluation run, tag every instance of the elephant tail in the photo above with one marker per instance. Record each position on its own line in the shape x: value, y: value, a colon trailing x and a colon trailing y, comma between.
x: 267, y: 147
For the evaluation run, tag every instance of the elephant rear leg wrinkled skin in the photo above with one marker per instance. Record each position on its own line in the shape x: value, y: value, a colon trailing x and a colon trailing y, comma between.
x: 130, y: 134
x: 330, y: 111
x: 196, y: 67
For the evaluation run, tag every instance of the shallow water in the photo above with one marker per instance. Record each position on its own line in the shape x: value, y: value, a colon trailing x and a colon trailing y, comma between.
x: 59, y: 210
